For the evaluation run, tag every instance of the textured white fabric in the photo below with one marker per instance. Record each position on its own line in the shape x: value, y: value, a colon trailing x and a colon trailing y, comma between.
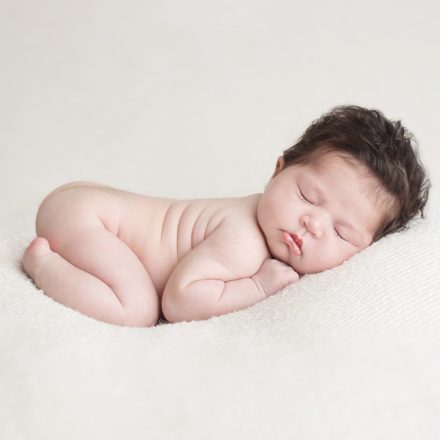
x: 351, y: 353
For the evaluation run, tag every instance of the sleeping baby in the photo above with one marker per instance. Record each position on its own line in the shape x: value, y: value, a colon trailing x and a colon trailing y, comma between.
x: 129, y: 259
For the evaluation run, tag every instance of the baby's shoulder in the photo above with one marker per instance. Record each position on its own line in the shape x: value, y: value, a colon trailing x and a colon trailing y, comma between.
x: 241, y: 235
x: 242, y: 217
x: 235, y: 214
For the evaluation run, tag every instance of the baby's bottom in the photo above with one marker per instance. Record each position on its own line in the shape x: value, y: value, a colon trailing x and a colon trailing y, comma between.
x: 92, y: 271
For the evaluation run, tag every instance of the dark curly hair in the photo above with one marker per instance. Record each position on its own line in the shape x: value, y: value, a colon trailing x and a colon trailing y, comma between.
x: 385, y: 147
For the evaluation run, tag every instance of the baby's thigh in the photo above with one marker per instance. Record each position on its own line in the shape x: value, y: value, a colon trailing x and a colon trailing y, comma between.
x: 71, y: 222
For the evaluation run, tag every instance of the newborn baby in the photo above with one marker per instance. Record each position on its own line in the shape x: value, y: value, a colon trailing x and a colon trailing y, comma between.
x: 126, y: 258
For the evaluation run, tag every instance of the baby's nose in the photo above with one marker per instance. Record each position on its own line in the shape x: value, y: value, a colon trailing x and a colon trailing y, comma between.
x: 313, y: 224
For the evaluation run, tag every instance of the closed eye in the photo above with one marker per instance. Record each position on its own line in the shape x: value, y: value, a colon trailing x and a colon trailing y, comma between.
x: 339, y: 235
x: 305, y: 198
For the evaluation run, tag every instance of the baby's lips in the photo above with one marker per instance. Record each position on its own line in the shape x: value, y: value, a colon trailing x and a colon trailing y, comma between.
x: 293, y: 246
x: 298, y: 240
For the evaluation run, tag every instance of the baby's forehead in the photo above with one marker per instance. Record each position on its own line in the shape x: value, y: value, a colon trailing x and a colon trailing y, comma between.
x: 351, y: 167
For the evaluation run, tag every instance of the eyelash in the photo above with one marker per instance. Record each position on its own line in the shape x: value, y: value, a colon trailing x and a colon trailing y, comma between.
x: 340, y: 236
x: 308, y: 201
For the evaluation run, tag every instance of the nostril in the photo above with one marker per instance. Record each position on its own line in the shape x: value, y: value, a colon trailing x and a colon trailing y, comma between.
x: 304, y: 221
x: 312, y: 225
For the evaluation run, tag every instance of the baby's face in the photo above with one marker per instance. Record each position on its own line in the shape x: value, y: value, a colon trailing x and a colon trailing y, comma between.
x: 317, y: 216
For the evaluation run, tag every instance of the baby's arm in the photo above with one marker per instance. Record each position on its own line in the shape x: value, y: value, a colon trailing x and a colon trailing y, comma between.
x: 213, y: 279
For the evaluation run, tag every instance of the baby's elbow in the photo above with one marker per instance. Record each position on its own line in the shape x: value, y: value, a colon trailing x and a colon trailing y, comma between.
x: 168, y: 311
x: 178, y: 307
x: 170, y: 307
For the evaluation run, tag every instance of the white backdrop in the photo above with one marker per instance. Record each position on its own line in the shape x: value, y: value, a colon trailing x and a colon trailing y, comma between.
x: 198, y: 98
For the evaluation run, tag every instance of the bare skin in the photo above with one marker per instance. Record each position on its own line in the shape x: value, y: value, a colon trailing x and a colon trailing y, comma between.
x: 109, y: 253
x: 127, y: 258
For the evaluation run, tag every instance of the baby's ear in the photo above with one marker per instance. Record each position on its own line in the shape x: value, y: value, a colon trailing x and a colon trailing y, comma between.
x: 279, y: 166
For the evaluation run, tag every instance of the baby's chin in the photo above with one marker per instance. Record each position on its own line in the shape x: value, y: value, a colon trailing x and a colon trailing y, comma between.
x: 295, y: 265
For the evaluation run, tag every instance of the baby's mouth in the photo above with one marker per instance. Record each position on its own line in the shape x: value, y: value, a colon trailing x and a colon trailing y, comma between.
x: 294, y: 242
x: 298, y: 240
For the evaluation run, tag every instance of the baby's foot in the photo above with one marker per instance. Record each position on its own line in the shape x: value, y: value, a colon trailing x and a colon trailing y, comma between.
x: 34, y: 256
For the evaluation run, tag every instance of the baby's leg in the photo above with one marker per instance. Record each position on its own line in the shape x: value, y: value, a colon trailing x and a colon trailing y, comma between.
x: 96, y: 273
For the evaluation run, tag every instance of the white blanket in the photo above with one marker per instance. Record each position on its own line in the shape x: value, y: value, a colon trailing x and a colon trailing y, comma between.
x: 351, y: 353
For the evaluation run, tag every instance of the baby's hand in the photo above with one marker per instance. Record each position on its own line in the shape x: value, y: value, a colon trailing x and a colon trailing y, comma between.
x: 274, y: 275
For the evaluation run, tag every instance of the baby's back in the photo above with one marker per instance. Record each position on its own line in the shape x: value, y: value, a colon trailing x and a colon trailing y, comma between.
x: 160, y: 231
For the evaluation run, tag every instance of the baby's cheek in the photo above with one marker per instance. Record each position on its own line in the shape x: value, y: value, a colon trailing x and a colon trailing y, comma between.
x: 324, y: 260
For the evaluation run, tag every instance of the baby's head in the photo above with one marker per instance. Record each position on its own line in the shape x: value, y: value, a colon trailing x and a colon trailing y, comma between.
x: 353, y: 177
